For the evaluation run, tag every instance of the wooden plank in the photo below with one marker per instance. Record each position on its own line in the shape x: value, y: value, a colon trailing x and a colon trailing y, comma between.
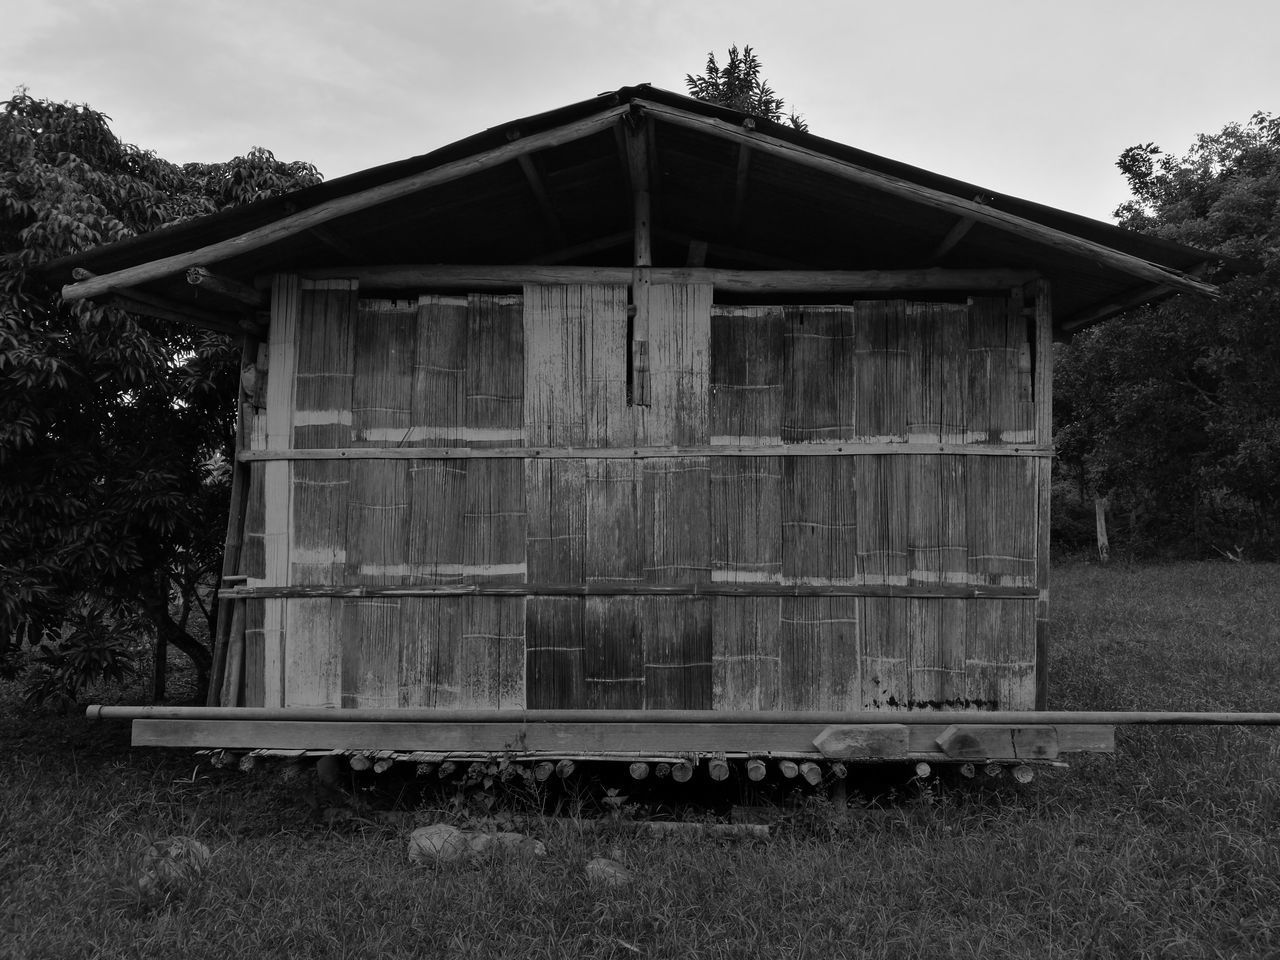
x: 882, y: 507
x: 612, y: 583
x: 820, y: 519
x: 382, y: 390
x: 555, y: 653
x: 555, y: 386
x: 491, y: 664
x: 312, y: 217
x: 1000, y: 664
x: 747, y: 347
x: 818, y: 374
x: 370, y: 631
x: 484, y: 277
x: 885, y: 654
x: 746, y: 658
x: 936, y: 653
x: 555, y: 497
x: 1001, y: 499
x: 973, y: 742
x: 639, y: 452
x: 820, y: 657
x: 435, y: 545
x: 437, y: 405
x: 377, y: 541
x: 1043, y: 395
x: 925, y: 359
x: 313, y: 653
x: 884, y: 741
x: 430, y: 632
x: 609, y: 420
x: 676, y: 633
x: 927, y: 196
x: 615, y: 548
x: 880, y: 371
x: 637, y: 157
x: 679, y: 348
x: 675, y: 520
x: 552, y: 738
x: 746, y: 520
x: 614, y: 654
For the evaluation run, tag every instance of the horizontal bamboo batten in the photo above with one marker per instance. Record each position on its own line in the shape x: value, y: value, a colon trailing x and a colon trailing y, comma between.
x: 693, y: 589
x: 825, y: 717
x: 849, y: 449
x: 417, y: 277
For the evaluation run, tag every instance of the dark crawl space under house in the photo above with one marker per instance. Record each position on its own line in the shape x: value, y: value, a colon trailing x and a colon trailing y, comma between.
x: 638, y: 429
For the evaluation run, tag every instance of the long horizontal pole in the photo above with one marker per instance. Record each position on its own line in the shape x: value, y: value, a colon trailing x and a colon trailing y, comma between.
x: 321, y: 213
x: 927, y: 196
x: 696, y: 588
x: 846, y: 448
x: 506, y: 277
x: 415, y: 715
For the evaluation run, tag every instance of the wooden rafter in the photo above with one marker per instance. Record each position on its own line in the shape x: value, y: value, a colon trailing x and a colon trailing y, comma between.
x: 321, y: 213
x: 929, y: 197
x: 1133, y: 299
x: 953, y: 237
x: 539, y: 190
x: 484, y: 277
x: 205, y: 279
x: 740, y: 185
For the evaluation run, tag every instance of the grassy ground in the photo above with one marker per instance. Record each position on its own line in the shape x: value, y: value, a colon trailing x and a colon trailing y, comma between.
x: 1169, y: 848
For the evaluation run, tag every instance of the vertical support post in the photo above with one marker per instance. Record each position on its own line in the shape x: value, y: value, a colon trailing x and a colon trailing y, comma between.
x: 1044, y: 478
x: 641, y: 276
x: 235, y: 524
x: 277, y: 490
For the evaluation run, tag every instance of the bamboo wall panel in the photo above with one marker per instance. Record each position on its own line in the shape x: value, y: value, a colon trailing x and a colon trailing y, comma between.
x: 549, y: 370
x: 820, y: 661
x: 430, y: 633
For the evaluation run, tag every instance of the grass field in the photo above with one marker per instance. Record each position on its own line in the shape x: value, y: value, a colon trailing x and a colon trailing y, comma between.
x: 1169, y: 848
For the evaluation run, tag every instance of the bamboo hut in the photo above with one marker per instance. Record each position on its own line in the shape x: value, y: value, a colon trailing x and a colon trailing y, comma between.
x: 639, y: 428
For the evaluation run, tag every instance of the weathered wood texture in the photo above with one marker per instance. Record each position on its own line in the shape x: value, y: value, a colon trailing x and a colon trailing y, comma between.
x: 919, y: 535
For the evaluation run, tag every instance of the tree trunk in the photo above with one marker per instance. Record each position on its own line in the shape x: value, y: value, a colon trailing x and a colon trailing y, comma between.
x: 169, y: 631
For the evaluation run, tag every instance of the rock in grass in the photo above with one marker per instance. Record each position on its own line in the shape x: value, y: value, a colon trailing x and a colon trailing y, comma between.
x: 438, y: 843
x: 506, y: 842
x: 603, y: 872
x: 172, y: 862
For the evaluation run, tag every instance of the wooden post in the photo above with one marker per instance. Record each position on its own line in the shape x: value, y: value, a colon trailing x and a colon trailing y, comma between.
x: 158, y: 671
x: 638, y: 167
x: 1043, y: 387
x: 1100, y: 505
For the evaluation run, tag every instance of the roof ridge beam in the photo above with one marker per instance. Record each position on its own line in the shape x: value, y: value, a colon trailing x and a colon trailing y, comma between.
x: 937, y: 199
x: 321, y: 213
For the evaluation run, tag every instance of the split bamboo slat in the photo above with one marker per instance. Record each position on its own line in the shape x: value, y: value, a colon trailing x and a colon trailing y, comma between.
x: 789, y: 575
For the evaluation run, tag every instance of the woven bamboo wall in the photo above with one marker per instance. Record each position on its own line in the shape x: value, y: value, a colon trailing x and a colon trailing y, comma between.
x: 686, y: 558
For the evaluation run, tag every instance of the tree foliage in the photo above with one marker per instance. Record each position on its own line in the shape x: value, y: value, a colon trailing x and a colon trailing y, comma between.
x: 112, y: 500
x: 738, y: 85
x: 1174, y: 411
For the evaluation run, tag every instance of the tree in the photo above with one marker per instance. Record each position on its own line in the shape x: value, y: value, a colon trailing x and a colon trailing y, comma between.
x: 737, y: 85
x: 113, y: 495
x: 1175, y: 410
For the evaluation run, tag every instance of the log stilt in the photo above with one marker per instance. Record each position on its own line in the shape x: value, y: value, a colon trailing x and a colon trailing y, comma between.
x: 756, y: 769
x: 360, y: 762
x: 718, y: 768
x: 923, y: 770
x: 446, y: 770
x: 543, y: 770
x: 662, y: 770
x: 1024, y: 773
x: 639, y: 770
x: 788, y: 768
x: 992, y: 769
x: 682, y: 772
x: 812, y: 773
x: 565, y: 768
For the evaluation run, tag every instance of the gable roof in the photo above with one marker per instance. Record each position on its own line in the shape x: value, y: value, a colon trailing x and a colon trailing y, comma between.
x: 555, y: 188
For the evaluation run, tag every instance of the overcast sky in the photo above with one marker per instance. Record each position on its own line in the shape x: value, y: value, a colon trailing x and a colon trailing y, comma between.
x: 1030, y: 98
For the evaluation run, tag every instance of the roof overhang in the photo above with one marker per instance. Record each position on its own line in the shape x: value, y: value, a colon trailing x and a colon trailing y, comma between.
x: 725, y: 191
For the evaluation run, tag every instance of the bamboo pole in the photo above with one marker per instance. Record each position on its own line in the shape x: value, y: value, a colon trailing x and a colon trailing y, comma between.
x: 929, y: 197
x: 341, y: 206
x: 813, y: 449
x: 931, y: 717
x: 484, y: 278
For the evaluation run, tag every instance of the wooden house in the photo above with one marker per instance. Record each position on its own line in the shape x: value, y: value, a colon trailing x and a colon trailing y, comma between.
x: 639, y: 428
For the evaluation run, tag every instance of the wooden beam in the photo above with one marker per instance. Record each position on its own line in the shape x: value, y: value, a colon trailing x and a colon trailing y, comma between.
x: 642, y: 260
x: 549, y: 216
x: 484, y: 278
x: 637, y: 737
x: 697, y: 588
x: 740, y: 185
x: 847, y: 449
x: 953, y: 237
x: 1134, y: 298
x: 321, y: 213
x: 607, y: 242
x: 205, y: 279
x: 174, y: 314
x: 929, y: 197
